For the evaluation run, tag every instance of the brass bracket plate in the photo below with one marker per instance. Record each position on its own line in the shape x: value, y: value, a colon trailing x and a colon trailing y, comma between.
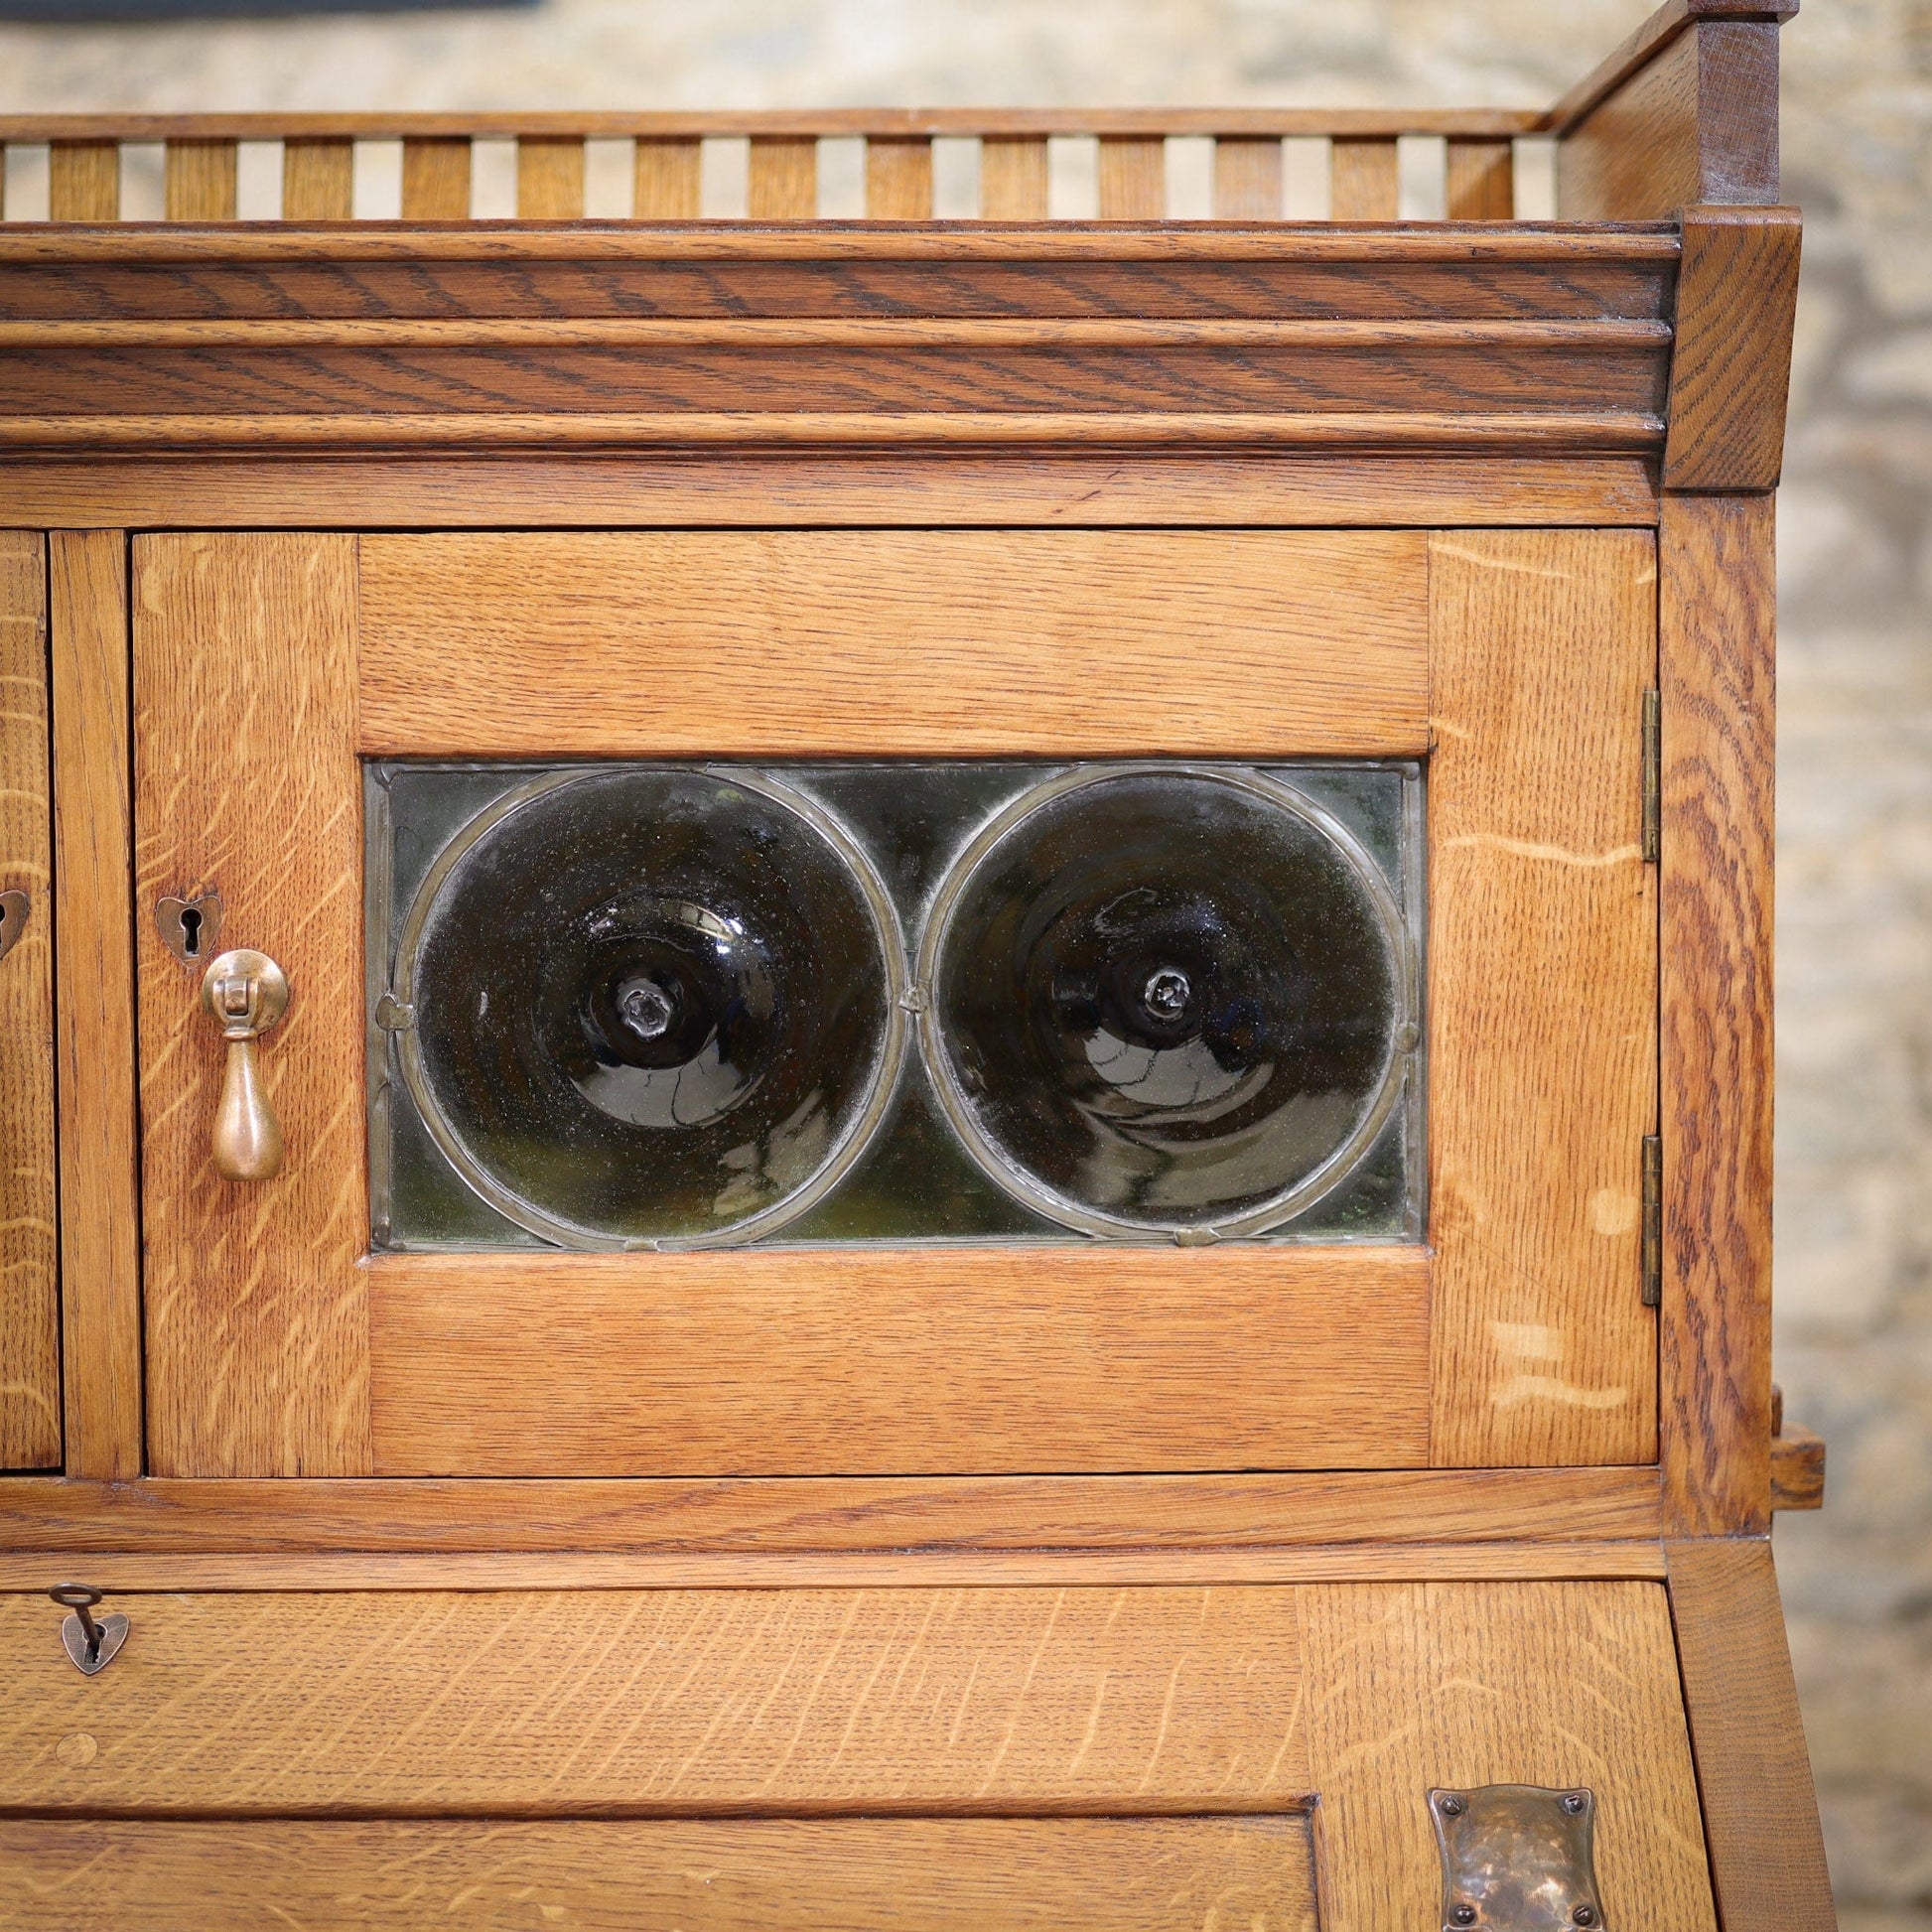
x: 1516, y: 1858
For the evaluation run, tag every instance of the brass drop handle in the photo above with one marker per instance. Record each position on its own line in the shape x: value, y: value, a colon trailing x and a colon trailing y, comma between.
x: 246, y: 992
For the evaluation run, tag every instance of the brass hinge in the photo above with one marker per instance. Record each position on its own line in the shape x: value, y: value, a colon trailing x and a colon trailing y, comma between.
x: 1653, y: 1221
x: 1653, y: 776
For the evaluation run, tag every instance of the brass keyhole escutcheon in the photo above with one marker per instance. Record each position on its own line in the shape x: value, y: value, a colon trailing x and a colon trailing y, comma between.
x: 246, y: 993
x: 14, y: 909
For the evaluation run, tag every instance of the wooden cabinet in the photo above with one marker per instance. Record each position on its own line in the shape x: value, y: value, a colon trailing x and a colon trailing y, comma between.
x: 1041, y: 1542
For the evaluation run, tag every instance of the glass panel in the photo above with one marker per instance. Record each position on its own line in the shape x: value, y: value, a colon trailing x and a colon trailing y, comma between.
x: 831, y: 1002
x: 1167, y: 1000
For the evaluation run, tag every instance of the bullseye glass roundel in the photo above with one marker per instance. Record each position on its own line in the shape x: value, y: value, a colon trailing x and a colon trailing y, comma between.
x: 1166, y: 999
x: 652, y: 1005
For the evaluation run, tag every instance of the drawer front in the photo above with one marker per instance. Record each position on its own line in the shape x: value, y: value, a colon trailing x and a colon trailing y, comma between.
x: 1514, y: 662
x: 1132, y: 1751
x: 30, y: 1355
x: 870, y: 1874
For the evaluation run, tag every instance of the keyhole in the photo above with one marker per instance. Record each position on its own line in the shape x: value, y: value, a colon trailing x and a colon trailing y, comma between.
x: 191, y: 932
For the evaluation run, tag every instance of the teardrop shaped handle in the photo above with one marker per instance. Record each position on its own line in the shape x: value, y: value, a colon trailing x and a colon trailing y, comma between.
x: 246, y: 993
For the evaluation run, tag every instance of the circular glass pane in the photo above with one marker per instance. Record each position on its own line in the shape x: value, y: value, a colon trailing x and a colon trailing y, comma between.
x: 651, y: 1005
x: 1166, y: 999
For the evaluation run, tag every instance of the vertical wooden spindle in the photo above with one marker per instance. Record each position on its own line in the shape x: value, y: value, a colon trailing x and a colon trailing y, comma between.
x: 783, y: 182
x: 1247, y: 179
x: 1362, y: 181
x: 317, y: 181
x: 899, y: 180
x: 1482, y: 181
x: 549, y: 177
x: 1013, y: 179
x: 200, y: 181
x: 666, y: 184
x: 1133, y: 177
x: 436, y: 179
x: 83, y: 181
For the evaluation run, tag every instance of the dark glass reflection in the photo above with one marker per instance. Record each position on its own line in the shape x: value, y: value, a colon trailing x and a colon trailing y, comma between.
x: 1169, y: 998
x: 650, y: 1004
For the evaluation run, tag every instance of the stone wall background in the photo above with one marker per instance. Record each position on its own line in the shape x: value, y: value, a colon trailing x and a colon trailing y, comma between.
x: 1854, y: 957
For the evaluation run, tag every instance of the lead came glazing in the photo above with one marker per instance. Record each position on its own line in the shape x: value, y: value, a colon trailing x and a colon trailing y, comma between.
x: 1167, y: 999
x: 653, y: 1004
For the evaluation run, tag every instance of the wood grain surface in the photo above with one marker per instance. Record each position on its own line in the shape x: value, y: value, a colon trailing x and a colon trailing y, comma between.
x: 860, y: 1874
x: 1192, y: 1702
x: 435, y: 180
x: 898, y: 1362
x: 1481, y: 183
x: 30, y: 1301
x: 1797, y: 1469
x: 120, y: 1572
x: 318, y: 181
x: 901, y: 374
x: 781, y: 179
x: 1004, y: 1701
x: 247, y: 784
x: 837, y: 642
x: 1419, y: 1685
x: 198, y: 179
x: 667, y: 178
x: 1645, y: 42
x: 1351, y: 1508
x: 549, y: 177
x: 1247, y: 179
x: 83, y: 181
x: 93, y: 861
x: 880, y: 122
x: 1362, y: 181
x: 1543, y: 997
x: 1132, y: 177
x: 1697, y: 121
x: 1760, y: 1817
x: 833, y: 269
x: 1718, y: 651
x: 1014, y: 178
x: 1730, y: 368
x: 899, y: 180
x: 828, y: 490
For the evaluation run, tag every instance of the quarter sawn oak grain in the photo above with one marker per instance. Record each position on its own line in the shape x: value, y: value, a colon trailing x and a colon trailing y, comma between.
x: 1071, y: 644
x: 853, y: 1362
x: 247, y: 784
x: 740, y: 1875
x: 1543, y: 996
x: 101, y: 1310
x: 30, y: 1305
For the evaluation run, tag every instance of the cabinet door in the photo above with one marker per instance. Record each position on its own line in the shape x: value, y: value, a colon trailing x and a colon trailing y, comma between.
x: 286, y: 1335
x: 29, y: 1366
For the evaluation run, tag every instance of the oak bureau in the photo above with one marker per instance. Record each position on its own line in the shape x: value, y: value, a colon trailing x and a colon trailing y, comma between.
x: 895, y: 1070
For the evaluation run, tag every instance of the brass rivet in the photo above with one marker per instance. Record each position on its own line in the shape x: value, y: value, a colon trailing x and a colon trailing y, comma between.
x: 1585, y: 1915
x: 77, y: 1751
x: 1464, y: 1915
x: 1452, y: 1805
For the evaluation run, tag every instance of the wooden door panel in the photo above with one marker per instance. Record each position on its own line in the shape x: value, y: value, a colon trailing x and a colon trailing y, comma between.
x: 1542, y: 995
x: 29, y: 1308
x: 1236, y: 1707
x: 962, y: 643
x: 1528, y: 651
x: 247, y: 784
x: 849, y: 1362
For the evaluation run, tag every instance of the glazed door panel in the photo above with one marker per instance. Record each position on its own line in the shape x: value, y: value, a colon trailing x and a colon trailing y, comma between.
x: 30, y: 1312
x: 277, y: 1345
